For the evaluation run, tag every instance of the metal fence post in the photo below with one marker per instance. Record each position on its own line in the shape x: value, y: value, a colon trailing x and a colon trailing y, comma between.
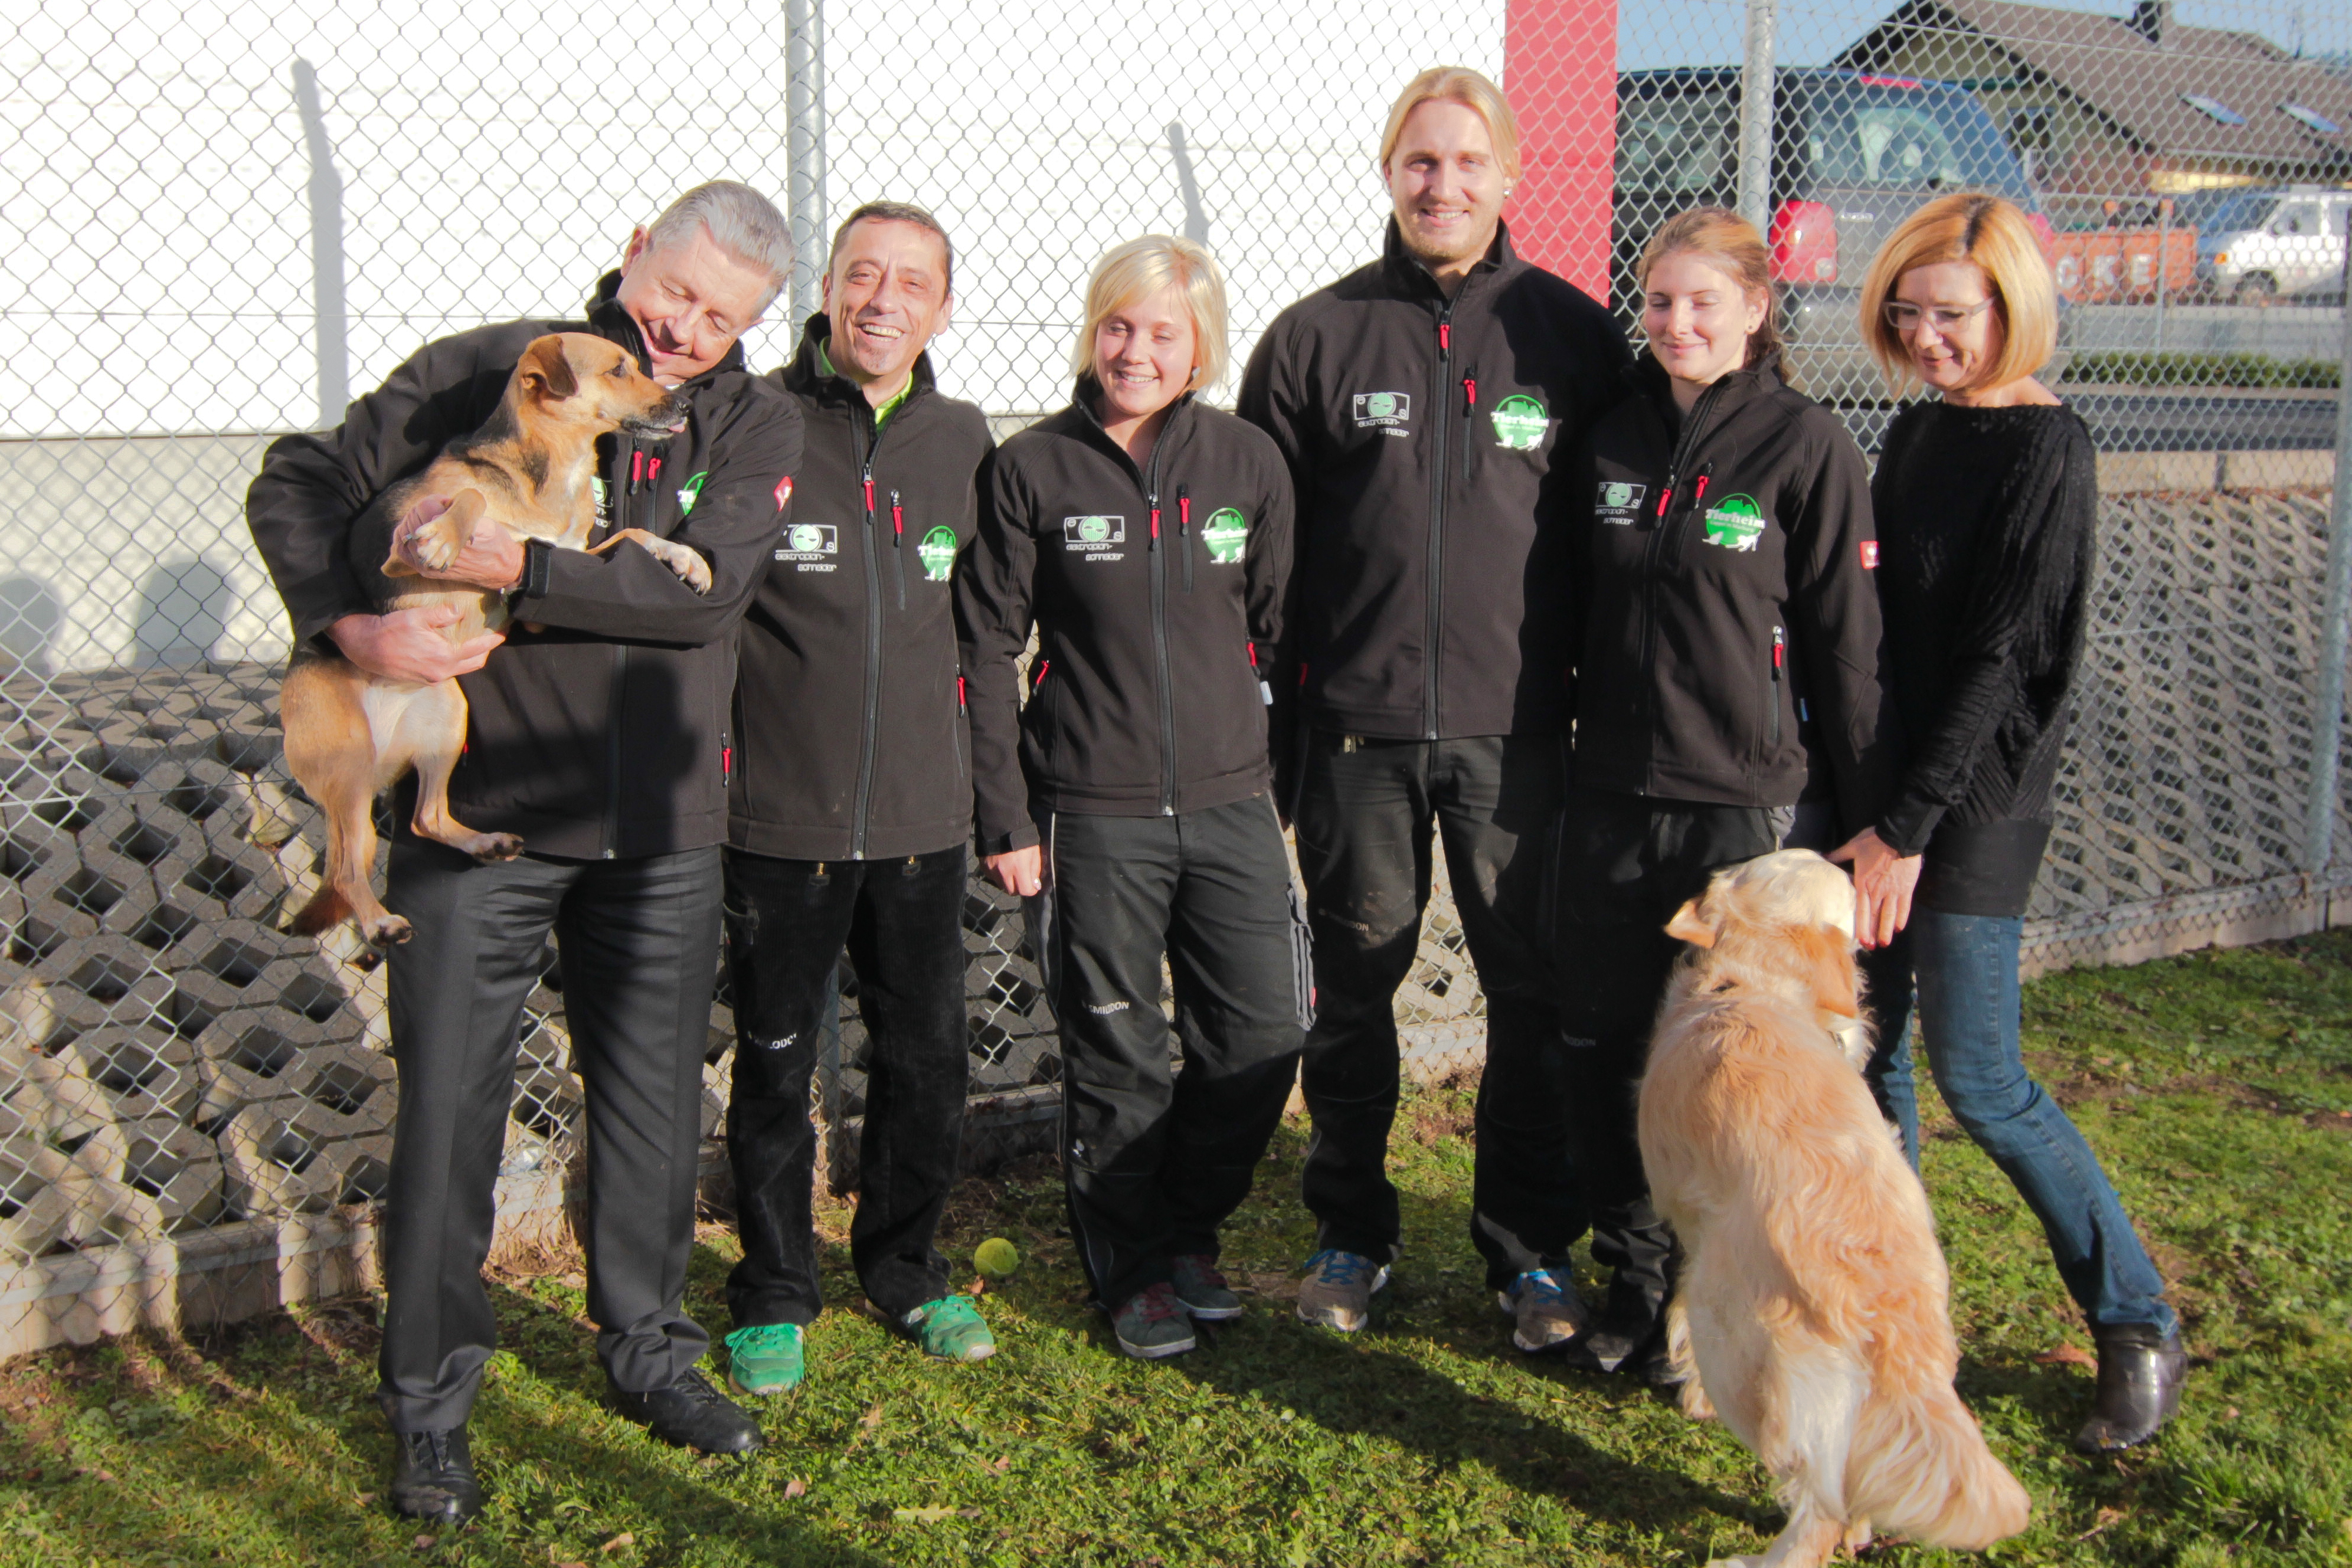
x: 329, y: 326
x: 1761, y: 36
x: 804, y: 149
x: 2327, y: 724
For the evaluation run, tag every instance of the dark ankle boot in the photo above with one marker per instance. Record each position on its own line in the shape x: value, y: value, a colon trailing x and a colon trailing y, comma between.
x: 434, y: 1478
x: 2139, y: 1386
x: 1628, y: 1332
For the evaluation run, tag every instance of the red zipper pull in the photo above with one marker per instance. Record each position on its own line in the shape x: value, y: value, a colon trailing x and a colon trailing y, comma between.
x: 1043, y: 665
x: 725, y: 761
x: 1698, y: 491
x: 1469, y: 394
x: 1445, y: 337
x: 636, y: 471
x: 1779, y: 645
x: 1184, y: 513
x: 652, y: 474
x: 1302, y: 677
x: 1155, y: 525
x: 960, y: 702
x: 869, y: 494
x: 1664, y: 497
x: 898, y: 521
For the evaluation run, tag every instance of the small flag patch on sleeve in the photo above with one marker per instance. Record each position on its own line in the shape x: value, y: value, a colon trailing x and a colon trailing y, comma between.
x: 783, y: 491
x: 1869, y: 554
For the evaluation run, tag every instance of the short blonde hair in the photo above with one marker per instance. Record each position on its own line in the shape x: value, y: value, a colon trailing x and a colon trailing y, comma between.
x: 1457, y: 84
x: 1968, y: 226
x: 1153, y: 264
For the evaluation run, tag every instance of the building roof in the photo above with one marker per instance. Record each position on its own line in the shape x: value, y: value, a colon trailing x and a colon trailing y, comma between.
x: 2142, y: 85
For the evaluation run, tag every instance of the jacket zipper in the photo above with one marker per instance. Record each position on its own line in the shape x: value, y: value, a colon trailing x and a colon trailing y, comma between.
x: 899, y: 543
x: 1184, y: 531
x: 1434, y: 625
x: 1780, y: 662
x: 1159, y: 633
x: 632, y: 464
x: 1650, y: 557
x: 873, y: 624
x: 1469, y: 419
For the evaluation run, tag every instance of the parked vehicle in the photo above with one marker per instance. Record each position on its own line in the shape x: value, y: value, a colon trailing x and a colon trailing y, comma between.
x: 2256, y: 245
x: 1853, y: 154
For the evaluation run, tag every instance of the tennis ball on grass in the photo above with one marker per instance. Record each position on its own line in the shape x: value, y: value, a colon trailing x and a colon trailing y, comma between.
x: 996, y: 1256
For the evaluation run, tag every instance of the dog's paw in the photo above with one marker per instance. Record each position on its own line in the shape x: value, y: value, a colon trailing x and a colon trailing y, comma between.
x: 497, y: 847
x: 1694, y: 1402
x: 691, y: 569
x: 434, y: 549
x: 389, y: 931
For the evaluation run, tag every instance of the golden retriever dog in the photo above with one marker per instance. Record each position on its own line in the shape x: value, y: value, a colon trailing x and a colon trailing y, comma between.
x: 1811, y: 1312
x: 350, y: 735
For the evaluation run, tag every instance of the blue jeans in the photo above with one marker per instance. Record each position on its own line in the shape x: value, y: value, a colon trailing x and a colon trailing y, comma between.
x: 1965, y: 967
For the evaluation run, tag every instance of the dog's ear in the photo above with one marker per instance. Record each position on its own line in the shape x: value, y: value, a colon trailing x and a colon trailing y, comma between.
x: 1691, y: 927
x: 1834, y: 977
x: 547, y: 369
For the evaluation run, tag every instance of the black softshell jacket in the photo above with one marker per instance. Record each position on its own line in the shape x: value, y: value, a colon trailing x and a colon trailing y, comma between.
x: 606, y: 733
x: 849, y: 708
x: 1428, y: 441
x: 1728, y: 617
x: 1153, y: 593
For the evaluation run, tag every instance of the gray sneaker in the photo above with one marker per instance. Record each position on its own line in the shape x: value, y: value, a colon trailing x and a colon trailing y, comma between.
x: 1203, y: 1289
x: 1153, y: 1324
x: 1546, y: 1307
x: 1337, y: 1290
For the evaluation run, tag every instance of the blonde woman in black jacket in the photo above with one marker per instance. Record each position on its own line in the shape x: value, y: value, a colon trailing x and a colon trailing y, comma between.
x: 1147, y: 538
x: 1728, y: 700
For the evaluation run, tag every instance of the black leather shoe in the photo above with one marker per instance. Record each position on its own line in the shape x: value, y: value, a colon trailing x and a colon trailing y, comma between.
x: 2139, y: 1386
x: 1628, y: 1334
x: 434, y: 1480
x: 690, y: 1414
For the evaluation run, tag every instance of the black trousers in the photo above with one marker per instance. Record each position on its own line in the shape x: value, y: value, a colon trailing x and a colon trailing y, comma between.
x: 1365, y: 814
x: 787, y: 922
x: 639, y: 944
x: 1626, y: 863
x: 1154, y: 1160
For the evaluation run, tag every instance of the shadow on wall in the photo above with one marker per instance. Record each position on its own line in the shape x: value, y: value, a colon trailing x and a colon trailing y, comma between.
x: 29, y: 617
x: 183, y: 609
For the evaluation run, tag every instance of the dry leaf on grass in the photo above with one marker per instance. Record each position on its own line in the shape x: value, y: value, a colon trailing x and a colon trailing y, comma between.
x: 423, y: 1543
x: 2106, y: 1516
x: 618, y: 1541
x: 795, y: 1488
x: 931, y: 1515
x: 2066, y: 1355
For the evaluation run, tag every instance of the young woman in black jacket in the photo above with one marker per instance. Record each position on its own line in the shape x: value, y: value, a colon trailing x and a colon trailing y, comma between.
x: 1147, y: 538
x: 1727, y: 698
x: 1986, y: 498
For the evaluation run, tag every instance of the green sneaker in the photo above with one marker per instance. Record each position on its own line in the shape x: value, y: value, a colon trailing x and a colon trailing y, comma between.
x: 764, y: 1359
x: 1206, y: 1293
x: 1153, y: 1323
x: 952, y: 1328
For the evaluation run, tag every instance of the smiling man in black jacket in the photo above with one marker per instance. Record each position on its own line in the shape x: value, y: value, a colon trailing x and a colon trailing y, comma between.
x: 599, y: 734
x: 850, y: 806
x: 1424, y: 403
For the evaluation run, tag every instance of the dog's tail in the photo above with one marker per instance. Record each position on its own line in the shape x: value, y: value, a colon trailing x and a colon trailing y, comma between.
x: 1919, y: 1466
x: 327, y: 906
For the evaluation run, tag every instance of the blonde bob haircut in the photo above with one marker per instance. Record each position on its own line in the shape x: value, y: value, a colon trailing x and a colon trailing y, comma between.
x: 1457, y: 84
x: 1142, y: 268
x: 1968, y: 226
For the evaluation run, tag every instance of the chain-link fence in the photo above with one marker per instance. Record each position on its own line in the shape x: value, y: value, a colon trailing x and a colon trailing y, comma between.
x: 221, y: 222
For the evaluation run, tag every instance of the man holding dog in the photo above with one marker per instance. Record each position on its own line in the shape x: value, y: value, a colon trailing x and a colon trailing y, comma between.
x: 599, y: 734
x: 850, y: 807
x: 1424, y: 403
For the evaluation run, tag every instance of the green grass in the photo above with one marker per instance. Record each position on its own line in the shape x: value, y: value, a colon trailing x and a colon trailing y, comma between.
x: 2218, y: 1086
x: 2182, y: 369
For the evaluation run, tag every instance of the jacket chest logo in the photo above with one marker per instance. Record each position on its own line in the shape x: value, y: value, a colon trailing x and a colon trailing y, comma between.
x: 1735, y: 523
x: 1226, y: 533
x: 1619, y: 502
x: 688, y: 492
x: 939, y: 552
x: 1387, y: 412
x: 1521, y: 422
x: 810, y: 541
x: 1092, y: 534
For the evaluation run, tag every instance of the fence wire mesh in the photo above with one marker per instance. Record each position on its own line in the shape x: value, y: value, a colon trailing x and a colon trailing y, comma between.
x: 222, y: 222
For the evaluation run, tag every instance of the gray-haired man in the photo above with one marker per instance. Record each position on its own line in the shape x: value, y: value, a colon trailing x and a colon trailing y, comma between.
x: 599, y: 734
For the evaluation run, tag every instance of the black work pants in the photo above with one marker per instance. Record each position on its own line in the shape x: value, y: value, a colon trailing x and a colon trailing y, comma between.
x: 787, y: 922
x: 1365, y: 815
x: 1154, y: 1160
x: 639, y: 947
x: 1626, y: 863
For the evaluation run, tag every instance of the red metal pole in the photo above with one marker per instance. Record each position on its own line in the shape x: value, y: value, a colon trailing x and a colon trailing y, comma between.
x: 1560, y: 71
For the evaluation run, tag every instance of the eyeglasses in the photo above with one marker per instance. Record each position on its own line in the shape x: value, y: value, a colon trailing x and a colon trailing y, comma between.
x: 1903, y: 315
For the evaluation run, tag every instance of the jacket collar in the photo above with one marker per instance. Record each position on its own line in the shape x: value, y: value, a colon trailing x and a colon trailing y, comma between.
x: 610, y: 322
x: 1088, y: 423
x: 807, y: 374
x: 1407, y: 274
x: 1648, y: 379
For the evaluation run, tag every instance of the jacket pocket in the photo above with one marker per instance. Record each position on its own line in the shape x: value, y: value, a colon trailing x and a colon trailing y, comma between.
x: 1775, y: 670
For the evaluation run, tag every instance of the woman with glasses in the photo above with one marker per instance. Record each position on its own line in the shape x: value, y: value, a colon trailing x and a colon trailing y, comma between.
x: 1727, y: 699
x: 1146, y: 537
x: 1985, y: 496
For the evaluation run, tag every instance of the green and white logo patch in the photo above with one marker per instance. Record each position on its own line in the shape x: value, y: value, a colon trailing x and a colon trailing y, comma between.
x: 1092, y: 533
x: 1735, y: 523
x: 1520, y: 422
x: 689, y: 491
x: 1382, y: 411
x: 939, y: 552
x: 1227, y: 534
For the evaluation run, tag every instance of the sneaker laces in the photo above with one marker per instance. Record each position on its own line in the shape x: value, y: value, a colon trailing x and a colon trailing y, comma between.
x: 1333, y: 1267
x: 1203, y: 1270
x: 1157, y: 1304
x: 762, y: 1338
x: 947, y: 1312
x: 1543, y: 1285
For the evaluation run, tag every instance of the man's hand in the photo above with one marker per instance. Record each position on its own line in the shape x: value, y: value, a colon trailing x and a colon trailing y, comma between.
x: 1883, y: 884
x: 1019, y: 870
x: 492, y: 559
x: 411, y: 644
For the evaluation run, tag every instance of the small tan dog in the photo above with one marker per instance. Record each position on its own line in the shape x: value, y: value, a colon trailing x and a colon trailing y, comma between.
x: 349, y: 735
x: 1811, y: 1312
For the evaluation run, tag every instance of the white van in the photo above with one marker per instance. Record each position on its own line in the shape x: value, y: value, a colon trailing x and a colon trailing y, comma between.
x: 2259, y: 245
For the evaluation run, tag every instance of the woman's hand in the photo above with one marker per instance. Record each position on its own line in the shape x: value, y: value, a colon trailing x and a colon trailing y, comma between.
x: 1019, y: 870
x: 1882, y: 883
